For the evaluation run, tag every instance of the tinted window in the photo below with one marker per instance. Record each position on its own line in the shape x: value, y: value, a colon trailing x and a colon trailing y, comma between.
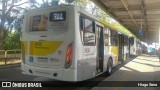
x: 89, y: 38
x: 126, y: 41
x: 113, y: 38
x: 88, y: 25
x: 114, y: 41
x: 114, y: 34
x: 131, y: 39
x: 106, y: 36
x: 87, y: 31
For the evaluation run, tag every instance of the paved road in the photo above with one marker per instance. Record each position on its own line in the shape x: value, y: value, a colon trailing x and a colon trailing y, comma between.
x: 13, y: 73
x: 143, y: 68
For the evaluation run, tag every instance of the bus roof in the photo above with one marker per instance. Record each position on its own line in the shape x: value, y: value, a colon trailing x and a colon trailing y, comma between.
x: 116, y: 27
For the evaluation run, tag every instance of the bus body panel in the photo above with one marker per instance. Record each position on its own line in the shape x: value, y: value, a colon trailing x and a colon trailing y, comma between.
x: 135, y: 49
x: 107, y: 55
x: 45, y: 51
x: 114, y: 51
x: 126, y: 52
x: 50, y: 48
x: 86, y: 61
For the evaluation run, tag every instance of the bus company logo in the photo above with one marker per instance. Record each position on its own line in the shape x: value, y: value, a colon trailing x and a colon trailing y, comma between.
x: 86, y: 50
x: 6, y: 84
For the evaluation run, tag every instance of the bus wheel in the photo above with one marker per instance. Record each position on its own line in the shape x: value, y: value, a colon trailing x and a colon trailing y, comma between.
x: 109, y: 67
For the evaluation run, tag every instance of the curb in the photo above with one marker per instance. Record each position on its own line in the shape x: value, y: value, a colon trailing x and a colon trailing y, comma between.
x: 10, y: 65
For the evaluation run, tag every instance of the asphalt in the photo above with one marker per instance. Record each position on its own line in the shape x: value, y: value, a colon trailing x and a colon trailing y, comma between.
x: 141, y: 68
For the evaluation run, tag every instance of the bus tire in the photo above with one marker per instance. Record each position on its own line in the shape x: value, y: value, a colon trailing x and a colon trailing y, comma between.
x: 109, y: 67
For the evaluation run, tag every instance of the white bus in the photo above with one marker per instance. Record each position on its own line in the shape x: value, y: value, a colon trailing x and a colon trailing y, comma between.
x: 68, y: 44
x: 135, y: 46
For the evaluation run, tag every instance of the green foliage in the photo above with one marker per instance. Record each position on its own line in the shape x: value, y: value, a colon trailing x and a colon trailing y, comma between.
x: 13, y: 17
x: 12, y: 40
x: 69, y: 1
x: 54, y: 2
x: 11, y: 13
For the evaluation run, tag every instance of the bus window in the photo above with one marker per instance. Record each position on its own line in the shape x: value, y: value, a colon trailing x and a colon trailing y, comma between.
x: 89, y: 38
x: 114, y: 34
x: 81, y: 24
x: 125, y: 40
x: 87, y: 28
x: 114, y: 40
x: 106, y: 36
x: 131, y: 40
x: 88, y: 25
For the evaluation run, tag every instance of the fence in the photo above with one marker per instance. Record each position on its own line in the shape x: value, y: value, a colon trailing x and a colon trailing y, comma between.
x: 10, y: 56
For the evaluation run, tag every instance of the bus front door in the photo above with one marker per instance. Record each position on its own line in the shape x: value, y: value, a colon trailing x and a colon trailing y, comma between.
x: 100, y: 49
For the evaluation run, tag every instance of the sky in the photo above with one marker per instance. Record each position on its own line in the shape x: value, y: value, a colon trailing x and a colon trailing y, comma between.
x: 60, y: 1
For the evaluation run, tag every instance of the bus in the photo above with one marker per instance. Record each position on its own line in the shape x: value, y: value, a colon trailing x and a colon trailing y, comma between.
x: 68, y: 44
x: 135, y: 46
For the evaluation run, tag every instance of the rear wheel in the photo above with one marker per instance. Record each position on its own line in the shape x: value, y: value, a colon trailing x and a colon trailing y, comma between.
x: 109, y: 67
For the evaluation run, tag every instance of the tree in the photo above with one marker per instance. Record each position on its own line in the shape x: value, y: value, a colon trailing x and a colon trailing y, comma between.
x: 33, y: 4
x: 12, y: 40
x: 69, y: 1
x: 6, y: 16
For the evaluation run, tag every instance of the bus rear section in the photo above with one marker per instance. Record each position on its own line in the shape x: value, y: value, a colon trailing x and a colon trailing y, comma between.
x: 48, y: 43
x: 135, y: 46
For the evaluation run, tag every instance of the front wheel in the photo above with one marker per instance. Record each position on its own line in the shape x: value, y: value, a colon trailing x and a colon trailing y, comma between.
x: 109, y: 67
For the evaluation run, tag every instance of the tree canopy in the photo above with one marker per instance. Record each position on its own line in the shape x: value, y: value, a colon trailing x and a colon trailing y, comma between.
x: 11, y: 17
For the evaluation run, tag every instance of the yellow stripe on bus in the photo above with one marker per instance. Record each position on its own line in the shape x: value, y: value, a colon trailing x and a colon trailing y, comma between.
x: 44, y: 48
x: 114, y: 51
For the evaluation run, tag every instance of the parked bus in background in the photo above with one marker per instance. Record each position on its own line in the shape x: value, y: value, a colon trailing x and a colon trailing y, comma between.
x: 135, y: 46
x: 144, y: 48
x: 66, y: 43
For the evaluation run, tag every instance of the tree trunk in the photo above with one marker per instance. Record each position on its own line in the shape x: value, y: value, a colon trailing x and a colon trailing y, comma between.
x: 2, y: 28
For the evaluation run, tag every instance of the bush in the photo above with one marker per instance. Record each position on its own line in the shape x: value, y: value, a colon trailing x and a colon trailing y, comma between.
x: 12, y: 40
